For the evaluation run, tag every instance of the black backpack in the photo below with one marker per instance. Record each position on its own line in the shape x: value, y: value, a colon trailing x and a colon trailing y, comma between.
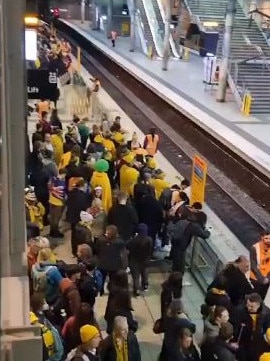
x: 165, y: 199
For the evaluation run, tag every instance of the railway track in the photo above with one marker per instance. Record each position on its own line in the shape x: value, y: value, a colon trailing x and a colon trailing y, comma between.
x: 236, y: 191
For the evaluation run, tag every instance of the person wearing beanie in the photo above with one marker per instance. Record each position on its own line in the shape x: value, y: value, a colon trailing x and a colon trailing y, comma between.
x: 159, y: 182
x: 151, y: 163
x: 88, y: 350
x: 100, y: 178
x: 265, y: 356
x: 35, y: 210
x: 128, y: 174
x: 140, y: 251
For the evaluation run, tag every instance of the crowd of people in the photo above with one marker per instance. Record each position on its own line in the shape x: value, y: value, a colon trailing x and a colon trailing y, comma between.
x: 108, y: 190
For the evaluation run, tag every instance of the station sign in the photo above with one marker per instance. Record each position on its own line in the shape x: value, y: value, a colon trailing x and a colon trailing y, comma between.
x: 198, y: 180
x: 41, y: 84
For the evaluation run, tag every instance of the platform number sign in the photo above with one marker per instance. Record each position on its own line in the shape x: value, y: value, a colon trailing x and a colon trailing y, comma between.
x: 41, y: 84
x: 198, y: 180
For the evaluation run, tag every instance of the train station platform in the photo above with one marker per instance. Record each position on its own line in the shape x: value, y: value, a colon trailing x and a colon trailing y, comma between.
x: 147, y: 308
x: 182, y: 86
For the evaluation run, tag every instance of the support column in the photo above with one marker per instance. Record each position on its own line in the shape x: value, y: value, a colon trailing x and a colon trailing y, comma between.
x: 19, y: 341
x: 132, y: 25
x: 94, y: 15
x: 82, y: 11
x: 166, y: 45
x: 109, y: 17
x: 226, y: 51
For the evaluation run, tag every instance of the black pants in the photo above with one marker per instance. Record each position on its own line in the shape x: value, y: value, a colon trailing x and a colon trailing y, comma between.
x: 179, y: 260
x: 84, y: 140
x: 139, y: 273
x: 113, y: 43
x: 260, y: 288
x: 73, y: 239
x: 105, y: 273
x: 55, y: 216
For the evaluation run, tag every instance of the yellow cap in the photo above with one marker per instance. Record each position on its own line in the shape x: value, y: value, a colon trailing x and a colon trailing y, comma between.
x: 265, y: 356
x: 118, y: 137
x: 88, y: 332
x: 98, y: 139
x: 151, y: 163
x: 129, y: 158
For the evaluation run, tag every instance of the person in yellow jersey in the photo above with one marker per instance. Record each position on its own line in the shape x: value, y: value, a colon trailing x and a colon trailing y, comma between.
x: 159, y: 183
x: 118, y: 139
x: 260, y: 264
x: 58, y: 145
x: 100, y: 179
x: 151, y: 142
x: 57, y: 188
x: 108, y: 143
x: 34, y: 209
x: 128, y: 174
x: 66, y: 157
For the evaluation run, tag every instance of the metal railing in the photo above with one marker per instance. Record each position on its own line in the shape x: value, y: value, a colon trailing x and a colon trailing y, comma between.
x: 204, y: 262
x: 154, y: 27
x: 172, y: 42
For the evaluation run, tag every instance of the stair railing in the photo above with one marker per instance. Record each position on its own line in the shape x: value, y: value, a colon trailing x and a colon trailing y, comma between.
x: 172, y: 42
x: 154, y: 27
x: 140, y: 27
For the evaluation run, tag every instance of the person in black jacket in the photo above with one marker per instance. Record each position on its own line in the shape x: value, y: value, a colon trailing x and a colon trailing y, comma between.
x: 111, y: 254
x: 252, y: 325
x: 237, y: 284
x: 220, y: 348
x: 174, y: 321
x: 121, y: 344
x: 182, y: 233
x: 124, y: 217
x: 150, y: 212
x: 77, y: 201
x: 171, y: 289
x: 121, y: 306
x: 140, y: 250
x: 217, y: 296
x: 183, y: 349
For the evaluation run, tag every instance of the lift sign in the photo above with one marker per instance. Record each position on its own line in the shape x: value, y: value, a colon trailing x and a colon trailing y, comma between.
x: 198, y: 180
x: 41, y: 84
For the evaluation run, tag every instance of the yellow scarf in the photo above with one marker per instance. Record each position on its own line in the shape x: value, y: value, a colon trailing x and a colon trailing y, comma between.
x: 121, y: 349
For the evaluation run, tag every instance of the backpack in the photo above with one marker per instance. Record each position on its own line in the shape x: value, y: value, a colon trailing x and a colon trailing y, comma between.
x: 40, y: 278
x: 52, y: 341
x: 98, y: 279
x: 76, y: 354
x: 165, y: 199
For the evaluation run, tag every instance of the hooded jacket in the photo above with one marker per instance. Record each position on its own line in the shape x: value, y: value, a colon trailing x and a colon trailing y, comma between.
x: 101, y: 179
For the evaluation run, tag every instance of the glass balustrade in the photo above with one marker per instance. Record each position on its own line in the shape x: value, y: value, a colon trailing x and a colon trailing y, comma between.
x: 153, y: 24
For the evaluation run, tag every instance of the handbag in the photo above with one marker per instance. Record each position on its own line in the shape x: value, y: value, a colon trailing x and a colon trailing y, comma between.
x: 157, y: 328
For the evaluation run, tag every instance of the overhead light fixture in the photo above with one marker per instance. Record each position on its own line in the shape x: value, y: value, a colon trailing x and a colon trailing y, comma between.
x: 31, y: 21
x: 210, y: 24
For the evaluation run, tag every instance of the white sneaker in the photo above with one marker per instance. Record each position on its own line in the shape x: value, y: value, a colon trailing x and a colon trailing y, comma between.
x: 166, y: 248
